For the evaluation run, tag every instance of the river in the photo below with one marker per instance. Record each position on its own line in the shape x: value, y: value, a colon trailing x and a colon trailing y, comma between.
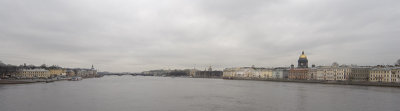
x: 139, y: 93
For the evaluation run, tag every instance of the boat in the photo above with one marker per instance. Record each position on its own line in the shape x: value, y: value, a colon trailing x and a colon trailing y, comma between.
x: 76, y: 78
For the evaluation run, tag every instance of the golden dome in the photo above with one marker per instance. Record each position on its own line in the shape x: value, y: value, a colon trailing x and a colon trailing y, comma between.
x: 303, y: 56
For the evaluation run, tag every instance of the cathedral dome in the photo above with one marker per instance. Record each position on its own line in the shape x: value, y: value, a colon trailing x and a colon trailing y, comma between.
x: 303, y: 61
x: 302, y: 56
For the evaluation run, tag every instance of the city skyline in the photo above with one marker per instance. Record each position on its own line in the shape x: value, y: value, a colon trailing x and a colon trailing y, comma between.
x: 134, y: 36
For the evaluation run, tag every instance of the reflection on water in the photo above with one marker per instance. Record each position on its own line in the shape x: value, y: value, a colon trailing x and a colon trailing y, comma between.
x: 126, y: 93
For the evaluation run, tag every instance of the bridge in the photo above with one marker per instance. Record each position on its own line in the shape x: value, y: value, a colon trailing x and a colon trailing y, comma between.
x: 132, y: 74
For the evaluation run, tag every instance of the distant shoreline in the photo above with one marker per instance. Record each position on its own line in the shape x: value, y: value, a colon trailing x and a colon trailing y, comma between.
x: 358, y: 83
x: 19, y: 81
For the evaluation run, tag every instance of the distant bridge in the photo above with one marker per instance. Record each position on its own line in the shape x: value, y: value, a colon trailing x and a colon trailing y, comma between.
x: 132, y: 74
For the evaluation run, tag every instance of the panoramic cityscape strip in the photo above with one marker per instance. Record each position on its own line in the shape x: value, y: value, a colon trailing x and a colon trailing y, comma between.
x: 11, y: 74
x: 380, y: 75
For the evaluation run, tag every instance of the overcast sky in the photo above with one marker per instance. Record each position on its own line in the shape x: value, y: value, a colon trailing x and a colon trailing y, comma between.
x: 137, y: 35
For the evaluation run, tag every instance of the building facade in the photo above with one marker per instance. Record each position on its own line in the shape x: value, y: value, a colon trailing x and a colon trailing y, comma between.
x: 384, y: 74
x: 70, y: 73
x: 33, y: 73
x: 298, y: 74
x: 301, y: 72
x: 280, y: 73
x: 360, y: 73
x: 206, y: 74
x: 249, y: 72
x: 312, y: 73
x: 57, y: 72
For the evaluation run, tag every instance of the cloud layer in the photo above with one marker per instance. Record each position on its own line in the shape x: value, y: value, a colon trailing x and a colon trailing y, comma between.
x: 140, y: 35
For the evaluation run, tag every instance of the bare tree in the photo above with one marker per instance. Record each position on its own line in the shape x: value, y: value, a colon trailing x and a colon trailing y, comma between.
x: 43, y: 66
x: 397, y: 63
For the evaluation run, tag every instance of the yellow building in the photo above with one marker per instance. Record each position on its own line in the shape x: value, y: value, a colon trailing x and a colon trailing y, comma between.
x: 33, y: 73
x: 396, y: 76
x: 266, y: 73
x: 57, y: 72
x: 70, y: 73
x: 384, y: 74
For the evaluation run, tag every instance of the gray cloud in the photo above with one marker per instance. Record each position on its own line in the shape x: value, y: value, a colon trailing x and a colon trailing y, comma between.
x: 151, y: 34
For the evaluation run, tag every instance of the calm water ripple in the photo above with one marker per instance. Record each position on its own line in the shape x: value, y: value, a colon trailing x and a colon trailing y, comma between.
x: 137, y: 93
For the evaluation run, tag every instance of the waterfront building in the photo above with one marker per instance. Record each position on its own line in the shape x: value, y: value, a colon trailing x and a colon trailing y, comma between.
x: 243, y: 72
x: 298, y: 74
x: 301, y: 72
x: 33, y: 73
x: 206, y: 74
x: 248, y: 72
x: 303, y: 61
x: 160, y: 72
x: 338, y: 73
x: 312, y: 73
x: 384, y: 74
x: 333, y: 72
x: 280, y: 73
x: 265, y: 73
x: 229, y: 73
x: 70, y: 73
x: 86, y: 73
x: 57, y: 72
x: 321, y: 72
x: 360, y: 73
x: 396, y: 72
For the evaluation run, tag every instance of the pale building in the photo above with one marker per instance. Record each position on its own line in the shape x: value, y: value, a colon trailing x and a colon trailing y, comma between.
x: 333, y: 72
x: 265, y: 73
x: 229, y: 73
x: 280, y: 73
x: 247, y: 72
x: 322, y: 72
x: 312, y: 73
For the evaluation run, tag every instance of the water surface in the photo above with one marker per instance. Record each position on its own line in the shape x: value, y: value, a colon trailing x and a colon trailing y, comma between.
x: 138, y: 93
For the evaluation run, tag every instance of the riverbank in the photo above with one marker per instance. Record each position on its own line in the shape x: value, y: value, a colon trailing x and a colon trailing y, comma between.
x: 26, y: 81
x: 359, y: 83
x: 19, y: 81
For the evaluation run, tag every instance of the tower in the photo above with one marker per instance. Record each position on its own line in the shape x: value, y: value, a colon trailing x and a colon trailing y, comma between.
x: 303, y: 61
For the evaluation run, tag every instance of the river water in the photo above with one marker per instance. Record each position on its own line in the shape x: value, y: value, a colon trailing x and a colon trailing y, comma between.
x: 138, y: 93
